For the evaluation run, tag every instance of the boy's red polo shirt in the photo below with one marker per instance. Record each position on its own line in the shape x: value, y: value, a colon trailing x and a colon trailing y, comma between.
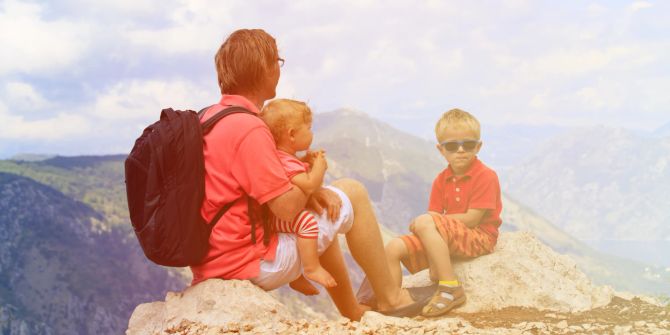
x: 477, y: 188
x: 240, y: 158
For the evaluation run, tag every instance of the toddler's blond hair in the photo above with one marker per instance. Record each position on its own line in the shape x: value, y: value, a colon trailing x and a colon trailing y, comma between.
x: 456, y: 119
x: 281, y: 114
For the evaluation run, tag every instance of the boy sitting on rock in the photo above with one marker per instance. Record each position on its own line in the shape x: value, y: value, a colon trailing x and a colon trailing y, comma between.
x: 463, y: 214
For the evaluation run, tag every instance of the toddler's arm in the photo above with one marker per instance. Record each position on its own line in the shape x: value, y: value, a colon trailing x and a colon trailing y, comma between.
x: 311, y: 180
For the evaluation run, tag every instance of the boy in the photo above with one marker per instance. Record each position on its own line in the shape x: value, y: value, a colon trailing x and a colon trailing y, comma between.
x: 290, y: 123
x: 463, y: 214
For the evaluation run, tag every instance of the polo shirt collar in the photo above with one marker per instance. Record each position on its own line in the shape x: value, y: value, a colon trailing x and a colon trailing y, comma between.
x: 474, y: 167
x: 238, y: 100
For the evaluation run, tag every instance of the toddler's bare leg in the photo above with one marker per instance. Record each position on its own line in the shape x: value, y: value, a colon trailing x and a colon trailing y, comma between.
x: 303, y: 286
x: 312, y: 269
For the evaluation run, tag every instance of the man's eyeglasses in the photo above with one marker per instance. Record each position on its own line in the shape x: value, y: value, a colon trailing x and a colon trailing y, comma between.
x: 281, y: 61
x: 453, y: 146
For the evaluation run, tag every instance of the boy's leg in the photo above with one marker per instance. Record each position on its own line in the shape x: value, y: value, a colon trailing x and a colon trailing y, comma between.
x: 367, y: 248
x: 436, y: 248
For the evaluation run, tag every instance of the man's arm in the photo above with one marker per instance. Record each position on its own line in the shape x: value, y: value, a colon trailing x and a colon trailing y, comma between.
x: 289, y: 204
x: 472, y: 218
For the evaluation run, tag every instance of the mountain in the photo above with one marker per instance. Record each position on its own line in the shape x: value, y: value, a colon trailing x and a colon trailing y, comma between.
x: 505, y: 146
x: 662, y: 131
x: 59, y: 275
x: 598, y: 183
x: 396, y: 167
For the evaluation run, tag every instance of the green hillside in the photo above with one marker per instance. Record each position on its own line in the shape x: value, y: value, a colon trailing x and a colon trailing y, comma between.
x: 97, y: 181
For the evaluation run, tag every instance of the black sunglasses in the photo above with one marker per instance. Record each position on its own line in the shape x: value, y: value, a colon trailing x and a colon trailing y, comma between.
x: 453, y: 146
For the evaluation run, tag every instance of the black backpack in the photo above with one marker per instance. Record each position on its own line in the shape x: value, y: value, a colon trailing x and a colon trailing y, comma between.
x: 165, y: 185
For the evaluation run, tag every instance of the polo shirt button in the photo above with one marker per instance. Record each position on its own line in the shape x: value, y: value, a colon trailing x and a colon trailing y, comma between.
x: 458, y: 189
x: 458, y: 198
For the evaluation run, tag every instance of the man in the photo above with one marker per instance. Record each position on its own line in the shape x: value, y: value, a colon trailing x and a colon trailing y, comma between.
x: 242, y: 167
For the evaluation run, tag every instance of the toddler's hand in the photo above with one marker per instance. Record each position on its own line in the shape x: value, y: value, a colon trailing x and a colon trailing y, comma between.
x: 308, y: 157
x: 320, y: 158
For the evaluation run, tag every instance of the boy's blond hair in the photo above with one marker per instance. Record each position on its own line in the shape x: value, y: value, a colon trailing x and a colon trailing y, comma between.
x: 456, y: 119
x: 282, y: 114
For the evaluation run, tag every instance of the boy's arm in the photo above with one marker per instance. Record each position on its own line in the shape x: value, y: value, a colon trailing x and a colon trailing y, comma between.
x: 472, y: 218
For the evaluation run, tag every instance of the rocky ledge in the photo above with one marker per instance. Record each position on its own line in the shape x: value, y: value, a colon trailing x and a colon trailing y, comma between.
x: 522, y: 288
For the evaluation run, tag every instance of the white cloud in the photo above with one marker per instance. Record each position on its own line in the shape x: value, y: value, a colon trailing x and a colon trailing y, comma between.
x: 142, y: 100
x: 63, y: 125
x: 23, y: 96
x: 194, y: 26
x: 34, y: 45
x: 639, y: 5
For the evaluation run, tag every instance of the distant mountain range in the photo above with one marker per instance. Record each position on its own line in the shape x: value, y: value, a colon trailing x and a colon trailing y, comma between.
x: 70, y: 264
x: 598, y: 183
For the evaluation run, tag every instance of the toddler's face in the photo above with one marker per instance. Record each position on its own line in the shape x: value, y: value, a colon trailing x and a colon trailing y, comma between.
x: 459, y: 148
x: 303, y: 137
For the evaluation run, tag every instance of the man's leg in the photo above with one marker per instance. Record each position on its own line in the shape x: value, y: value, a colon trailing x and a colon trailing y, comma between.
x: 342, y: 295
x: 366, y: 245
x: 396, y: 253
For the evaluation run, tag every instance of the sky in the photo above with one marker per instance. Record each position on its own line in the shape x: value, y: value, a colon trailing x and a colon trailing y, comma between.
x: 85, y: 77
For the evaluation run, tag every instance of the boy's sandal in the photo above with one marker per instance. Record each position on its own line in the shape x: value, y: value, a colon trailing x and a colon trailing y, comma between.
x: 444, y: 300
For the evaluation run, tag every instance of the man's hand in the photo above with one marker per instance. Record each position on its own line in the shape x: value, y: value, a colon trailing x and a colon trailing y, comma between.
x: 324, y: 198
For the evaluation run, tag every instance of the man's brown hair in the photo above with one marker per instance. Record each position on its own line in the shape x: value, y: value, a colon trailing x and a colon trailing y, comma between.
x: 244, y: 60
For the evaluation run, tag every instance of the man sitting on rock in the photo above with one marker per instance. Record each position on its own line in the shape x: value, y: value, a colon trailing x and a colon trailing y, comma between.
x: 242, y: 167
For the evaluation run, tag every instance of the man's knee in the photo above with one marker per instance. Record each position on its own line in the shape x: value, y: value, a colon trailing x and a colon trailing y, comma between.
x: 354, y: 189
x: 423, y: 223
x: 396, y: 249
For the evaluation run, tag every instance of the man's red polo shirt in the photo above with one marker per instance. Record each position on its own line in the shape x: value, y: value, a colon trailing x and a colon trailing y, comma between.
x: 477, y: 188
x: 240, y: 159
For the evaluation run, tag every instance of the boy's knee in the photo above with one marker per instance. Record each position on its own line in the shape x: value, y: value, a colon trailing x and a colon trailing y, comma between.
x: 423, y: 223
x: 354, y: 189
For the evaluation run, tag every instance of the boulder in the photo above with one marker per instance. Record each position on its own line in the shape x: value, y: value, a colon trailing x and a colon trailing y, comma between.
x: 523, y: 272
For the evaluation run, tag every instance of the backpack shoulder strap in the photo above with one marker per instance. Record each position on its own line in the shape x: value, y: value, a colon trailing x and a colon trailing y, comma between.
x: 209, y: 124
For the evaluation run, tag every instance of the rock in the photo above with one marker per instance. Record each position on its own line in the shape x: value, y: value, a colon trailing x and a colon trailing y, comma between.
x: 215, y: 302
x: 523, y: 272
x: 639, y: 324
x: 562, y: 325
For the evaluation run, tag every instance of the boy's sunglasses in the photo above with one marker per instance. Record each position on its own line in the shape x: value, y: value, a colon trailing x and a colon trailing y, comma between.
x: 453, y: 146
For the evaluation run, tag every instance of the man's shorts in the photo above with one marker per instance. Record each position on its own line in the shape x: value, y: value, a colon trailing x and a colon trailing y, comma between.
x: 463, y: 242
x: 286, y: 266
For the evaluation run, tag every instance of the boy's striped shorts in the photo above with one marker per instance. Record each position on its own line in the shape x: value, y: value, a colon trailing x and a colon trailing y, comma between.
x: 463, y: 242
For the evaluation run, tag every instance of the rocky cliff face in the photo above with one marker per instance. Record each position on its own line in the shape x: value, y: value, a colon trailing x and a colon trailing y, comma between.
x: 521, y: 273
x: 58, y: 276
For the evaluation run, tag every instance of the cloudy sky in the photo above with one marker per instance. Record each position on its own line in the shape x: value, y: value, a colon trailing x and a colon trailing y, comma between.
x: 85, y: 77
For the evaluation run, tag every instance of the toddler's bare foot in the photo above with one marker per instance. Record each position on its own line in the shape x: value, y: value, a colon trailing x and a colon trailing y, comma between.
x: 321, y: 276
x: 303, y: 286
